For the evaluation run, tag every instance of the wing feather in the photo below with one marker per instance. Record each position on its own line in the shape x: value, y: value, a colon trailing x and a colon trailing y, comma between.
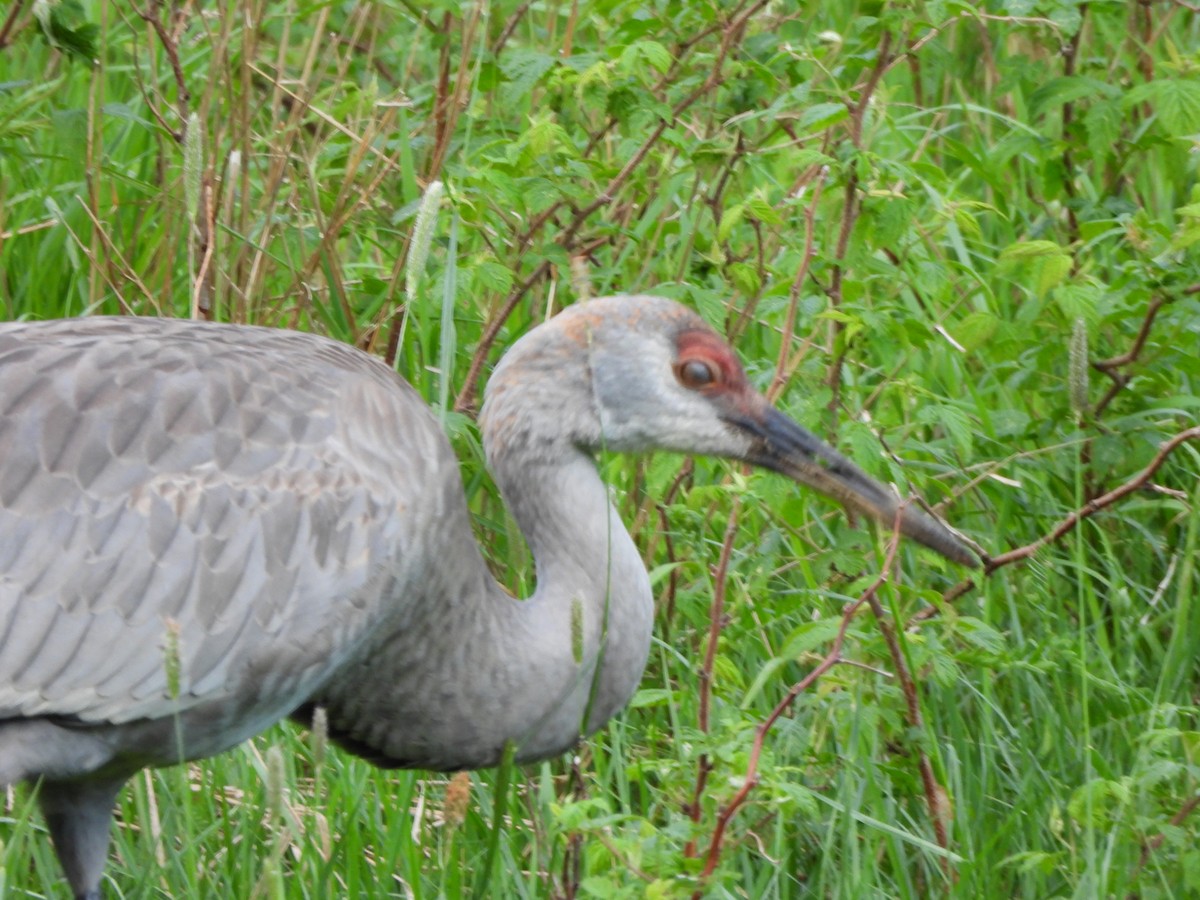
x: 237, y: 485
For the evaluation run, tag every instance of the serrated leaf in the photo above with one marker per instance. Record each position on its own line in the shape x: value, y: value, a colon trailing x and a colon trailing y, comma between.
x: 1186, y: 237
x: 524, y: 68
x: 745, y: 278
x: 651, y: 52
x: 1103, y: 122
x: 1043, y: 263
x: 821, y: 116
x: 760, y: 209
x: 1069, y: 88
x: 975, y: 330
x: 1051, y: 272
x: 730, y: 219
x: 801, y: 159
x: 1078, y: 301
x: 953, y: 421
x: 1030, y: 250
x: 967, y: 223
x: 65, y: 27
x: 979, y: 634
x: 1097, y: 797
x: 648, y: 697
x: 810, y: 636
x: 493, y: 276
x: 1175, y: 101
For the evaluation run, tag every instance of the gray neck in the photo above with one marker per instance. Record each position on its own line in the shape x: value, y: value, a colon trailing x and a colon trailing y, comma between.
x: 469, y: 668
x: 592, y: 611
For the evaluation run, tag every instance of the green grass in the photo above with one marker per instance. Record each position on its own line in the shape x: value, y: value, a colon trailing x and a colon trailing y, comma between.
x: 914, y: 240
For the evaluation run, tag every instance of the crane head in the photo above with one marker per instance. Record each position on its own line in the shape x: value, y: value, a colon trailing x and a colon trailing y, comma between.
x: 655, y: 376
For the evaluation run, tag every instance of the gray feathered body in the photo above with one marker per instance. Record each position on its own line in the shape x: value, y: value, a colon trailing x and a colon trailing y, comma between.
x: 204, y: 528
x: 291, y: 510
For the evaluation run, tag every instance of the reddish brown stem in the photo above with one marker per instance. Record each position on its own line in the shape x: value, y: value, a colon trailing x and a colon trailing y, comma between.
x: 1176, y: 820
x: 182, y: 95
x: 9, y: 22
x: 716, y: 620
x: 783, y: 369
x: 1092, y: 507
x: 832, y: 658
x: 935, y: 794
x: 730, y: 35
x: 850, y: 213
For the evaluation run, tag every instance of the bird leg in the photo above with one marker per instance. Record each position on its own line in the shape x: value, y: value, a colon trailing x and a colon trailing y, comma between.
x: 78, y: 814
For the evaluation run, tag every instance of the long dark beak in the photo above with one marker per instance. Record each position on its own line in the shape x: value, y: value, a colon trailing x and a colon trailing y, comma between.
x: 783, y: 446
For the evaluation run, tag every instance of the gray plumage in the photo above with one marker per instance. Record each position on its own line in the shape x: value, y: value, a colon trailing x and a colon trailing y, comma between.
x: 290, y: 509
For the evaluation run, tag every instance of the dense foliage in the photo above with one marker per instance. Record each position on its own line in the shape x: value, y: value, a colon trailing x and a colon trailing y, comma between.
x: 958, y: 238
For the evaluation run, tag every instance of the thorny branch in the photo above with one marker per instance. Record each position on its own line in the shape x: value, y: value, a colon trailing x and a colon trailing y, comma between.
x: 1178, y: 819
x: 935, y: 795
x: 750, y: 779
x: 1092, y: 507
x: 850, y: 213
x: 153, y: 17
x: 1113, y: 365
x: 716, y: 624
x: 731, y: 34
x: 10, y: 20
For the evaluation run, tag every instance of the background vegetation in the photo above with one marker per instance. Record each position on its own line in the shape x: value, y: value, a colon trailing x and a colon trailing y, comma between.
x: 958, y: 238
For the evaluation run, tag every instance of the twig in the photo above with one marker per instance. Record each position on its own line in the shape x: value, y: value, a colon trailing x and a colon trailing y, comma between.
x: 730, y: 35
x: 1070, y: 56
x: 183, y: 95
x: 850, y: 212
x: 1092, y: 507
x: 783, y: 366
x: 1176, y: 820
x: 510, y: 26
x: 1113, y: 365
x: 716, y: 623
x: 466, y: 397
x: 935, y: 795
x: 750, y: 780
x: 450, y: 103
x: 9, y: 22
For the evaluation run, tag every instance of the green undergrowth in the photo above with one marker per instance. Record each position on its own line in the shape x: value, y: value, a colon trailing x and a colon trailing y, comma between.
x: 904, y: 215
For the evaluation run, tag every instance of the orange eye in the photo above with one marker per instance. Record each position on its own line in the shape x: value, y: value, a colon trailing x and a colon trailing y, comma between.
x: 696, y: 374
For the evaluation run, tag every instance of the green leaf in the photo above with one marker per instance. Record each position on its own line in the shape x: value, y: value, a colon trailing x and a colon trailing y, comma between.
x: 975, y: 330
x: 810, y: 636
x: 651, y: 53
x: 956, y: 423
x: 648, y: 697
x: 760, y: 209
x: 822, y: 116
x: 745, y: 278
x: 1041, y: 265
x: 730, y: 219
x: 524, y: 68
x: 1051, y: 272
x: 493, y: 276
x: 65, y: 27
x: 1093, y: 801
x: 1030, y: 250
x: 1102, y: 123
x: 1068, y: 89
x: 1175, y: 101
x: 979, y: 634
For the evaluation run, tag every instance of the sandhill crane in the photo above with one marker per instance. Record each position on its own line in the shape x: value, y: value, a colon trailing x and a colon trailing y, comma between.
x: 290, y: 509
